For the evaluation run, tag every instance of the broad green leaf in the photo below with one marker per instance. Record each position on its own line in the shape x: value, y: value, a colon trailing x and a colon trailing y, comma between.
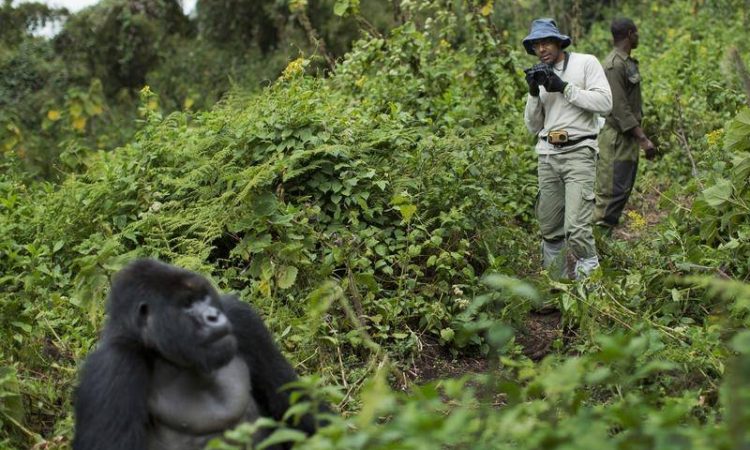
x: 567, y: 301
x: 11, y: 404
x: 499, y: 334
x: 340, y: 7
x: 368, y: 280
x: 511, y: 285
x: 653, y: 367
x: 598, y: 375
x: 282, y: 435
x: 447, y: 334
x: 407, y: 211
x: 297, y: 410
x: 23, y: 326
x: 285, y: 276
x: 259, y: 244
x: 719, y: 193
x: 399, y: 199
x: 376, y: 397
x: 76, y: 109
x: 738, y: 132
x: 741, y: 342
x: 741, y: 168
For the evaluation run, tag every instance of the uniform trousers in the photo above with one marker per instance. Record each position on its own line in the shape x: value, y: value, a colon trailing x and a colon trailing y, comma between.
x: 615, y: 174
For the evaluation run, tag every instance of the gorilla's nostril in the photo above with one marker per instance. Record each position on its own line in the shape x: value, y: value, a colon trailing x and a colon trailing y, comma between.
x: 216, y: 319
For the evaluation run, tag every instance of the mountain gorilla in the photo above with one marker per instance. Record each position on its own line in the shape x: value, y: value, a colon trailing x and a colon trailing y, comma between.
x: 177, y: 365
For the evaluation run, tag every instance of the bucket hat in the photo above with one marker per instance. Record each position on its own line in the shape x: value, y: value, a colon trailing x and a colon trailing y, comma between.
x: 541, y: 29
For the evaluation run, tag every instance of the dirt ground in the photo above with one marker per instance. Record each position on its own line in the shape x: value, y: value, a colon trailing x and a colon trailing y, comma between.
x: 536, y: 335
x: 436, y: 361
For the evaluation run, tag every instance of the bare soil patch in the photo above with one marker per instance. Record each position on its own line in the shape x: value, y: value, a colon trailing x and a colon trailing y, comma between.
x: 435, y: 362
x: 539, y: 331
x: 536, y: 336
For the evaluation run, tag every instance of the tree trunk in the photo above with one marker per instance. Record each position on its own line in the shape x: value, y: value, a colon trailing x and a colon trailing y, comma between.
x: 316, y: 41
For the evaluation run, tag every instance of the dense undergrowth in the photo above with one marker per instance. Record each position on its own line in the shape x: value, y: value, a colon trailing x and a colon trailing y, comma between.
x: 390, y: 204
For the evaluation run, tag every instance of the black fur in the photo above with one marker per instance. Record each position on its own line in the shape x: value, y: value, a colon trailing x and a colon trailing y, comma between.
x: 147, y: 320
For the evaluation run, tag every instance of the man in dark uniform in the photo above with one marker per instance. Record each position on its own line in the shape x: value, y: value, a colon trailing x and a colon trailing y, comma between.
x: 622, y: 134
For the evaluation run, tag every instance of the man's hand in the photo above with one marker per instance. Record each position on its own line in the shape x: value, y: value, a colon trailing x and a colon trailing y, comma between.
x: 533, y: 85
x: 648, y: 147
x: 554, y: 83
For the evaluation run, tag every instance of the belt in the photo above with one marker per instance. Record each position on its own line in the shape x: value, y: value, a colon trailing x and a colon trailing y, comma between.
x: 573, y: 141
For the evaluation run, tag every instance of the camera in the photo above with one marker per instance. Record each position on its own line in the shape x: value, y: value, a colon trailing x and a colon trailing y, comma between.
x: 540, y: 72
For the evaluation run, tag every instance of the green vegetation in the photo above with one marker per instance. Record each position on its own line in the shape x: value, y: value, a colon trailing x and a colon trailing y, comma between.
x: 380, y: 213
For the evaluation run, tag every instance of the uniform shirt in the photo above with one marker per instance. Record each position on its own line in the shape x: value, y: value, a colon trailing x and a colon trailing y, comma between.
x: 625, y: 82
x: 586, y: 96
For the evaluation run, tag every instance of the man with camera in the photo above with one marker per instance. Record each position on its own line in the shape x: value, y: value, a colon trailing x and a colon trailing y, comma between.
x: 622, y: 134
x: 567, y: 93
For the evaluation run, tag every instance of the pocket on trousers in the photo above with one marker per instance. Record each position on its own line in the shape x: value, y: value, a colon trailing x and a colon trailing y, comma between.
x: 588, y: 202
x: 585, y: 213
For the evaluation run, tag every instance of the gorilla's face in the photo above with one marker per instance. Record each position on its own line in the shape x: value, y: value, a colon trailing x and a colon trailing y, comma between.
x: 189, y: 329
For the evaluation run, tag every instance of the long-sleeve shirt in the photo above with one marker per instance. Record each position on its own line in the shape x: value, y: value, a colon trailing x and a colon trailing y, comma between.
x: 575, y: 110
x: 625, y: 81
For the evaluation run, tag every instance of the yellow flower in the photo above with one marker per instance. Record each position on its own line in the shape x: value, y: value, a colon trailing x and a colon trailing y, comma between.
x: 79, y: 124
x: 294, y: 68
x: 296, y: 6
x: 53, y: 115
x: 714, y: 137
x: 638, y: 223
x: 487, y: 9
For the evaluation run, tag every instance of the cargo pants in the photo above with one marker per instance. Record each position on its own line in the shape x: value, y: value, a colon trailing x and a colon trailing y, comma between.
x: 564, y: 209
x: 615, y: 174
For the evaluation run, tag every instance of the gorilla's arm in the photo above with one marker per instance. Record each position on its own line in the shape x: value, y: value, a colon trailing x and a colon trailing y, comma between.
x: 111, y: 408
x: 269, y: 369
